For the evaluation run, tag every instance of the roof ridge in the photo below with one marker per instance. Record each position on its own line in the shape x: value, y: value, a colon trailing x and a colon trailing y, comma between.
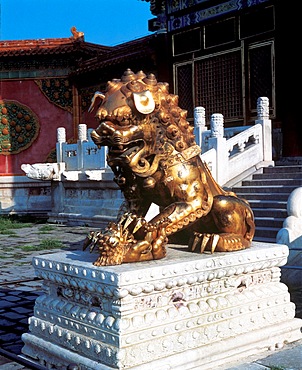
x: 37, y: 42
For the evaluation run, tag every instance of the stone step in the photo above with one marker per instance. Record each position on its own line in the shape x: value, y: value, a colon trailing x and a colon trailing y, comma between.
x: 262, y: 197
x: 275, y: 222
x: 252, y: 189
x: 268, y: 204
x: 266, y: 232
x: 289, y: 161
x: 276, y: 182
x: 282, y: 169
x: 278, y: 175
x: 264, y: 239
x: 267, y: 194
x: 270, y: 212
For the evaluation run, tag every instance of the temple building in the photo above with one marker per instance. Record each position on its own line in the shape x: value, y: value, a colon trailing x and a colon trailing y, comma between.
x: 37, y: 96
x: 49, y: 83
x: 223, y: 55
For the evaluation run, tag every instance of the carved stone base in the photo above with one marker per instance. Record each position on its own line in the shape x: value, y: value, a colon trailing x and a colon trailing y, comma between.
x: 186, y: 311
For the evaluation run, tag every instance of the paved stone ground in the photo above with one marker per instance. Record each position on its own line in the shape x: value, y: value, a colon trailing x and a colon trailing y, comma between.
x: 16, y: 263
x: 19, y: 289
x: 19, y: 286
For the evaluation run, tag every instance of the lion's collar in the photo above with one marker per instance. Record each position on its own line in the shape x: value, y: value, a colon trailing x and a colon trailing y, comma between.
x: 184, y: 156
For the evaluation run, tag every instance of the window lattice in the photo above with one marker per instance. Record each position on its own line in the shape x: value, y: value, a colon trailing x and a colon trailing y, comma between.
x: 184, y: 88
x: 260, y: 74
x: 219, y: 85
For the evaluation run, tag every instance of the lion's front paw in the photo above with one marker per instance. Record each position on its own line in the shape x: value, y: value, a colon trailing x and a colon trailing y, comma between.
x: 112, y: 244
x: 110, y: 257
x: 120, y: 242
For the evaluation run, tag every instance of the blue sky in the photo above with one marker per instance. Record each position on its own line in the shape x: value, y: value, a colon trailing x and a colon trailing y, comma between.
x: 105, y: 22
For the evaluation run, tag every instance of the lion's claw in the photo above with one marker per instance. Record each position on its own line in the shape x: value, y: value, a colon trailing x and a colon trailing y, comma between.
x: 217, y: 242
x: 206, y: 242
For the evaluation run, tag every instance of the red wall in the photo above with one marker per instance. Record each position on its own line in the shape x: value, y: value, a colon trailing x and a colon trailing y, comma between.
x: 50, y: 118
x: 90, y: 119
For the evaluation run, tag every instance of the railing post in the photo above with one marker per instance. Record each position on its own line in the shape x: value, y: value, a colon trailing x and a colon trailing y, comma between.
x: 218, y: 142
x: 263, y: 119
x: 82, y: 137
x: 61, y: 139
x: 199, y: 124
x: 57, y: 192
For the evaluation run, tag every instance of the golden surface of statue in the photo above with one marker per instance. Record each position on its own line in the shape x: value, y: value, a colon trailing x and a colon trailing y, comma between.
x: 155, y: 159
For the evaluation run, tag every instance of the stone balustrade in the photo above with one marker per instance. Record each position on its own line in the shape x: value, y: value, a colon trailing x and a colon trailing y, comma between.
x: 233, y: 153
x: 82, y: 155
x: 82, y: 187
x: 236, y: 149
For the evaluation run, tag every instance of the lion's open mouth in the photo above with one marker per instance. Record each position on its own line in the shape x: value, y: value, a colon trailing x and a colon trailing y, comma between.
x: 121, y: 141
x: 125, y: 149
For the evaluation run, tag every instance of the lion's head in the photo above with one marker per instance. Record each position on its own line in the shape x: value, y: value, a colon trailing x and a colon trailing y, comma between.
x: 140, y: 122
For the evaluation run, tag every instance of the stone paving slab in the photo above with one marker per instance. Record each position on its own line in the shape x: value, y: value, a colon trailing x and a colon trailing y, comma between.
x: 15, y: 308
x: 19, y: 287
x: 287, y: 358
x: 12, y: 366
x: 15, y: 263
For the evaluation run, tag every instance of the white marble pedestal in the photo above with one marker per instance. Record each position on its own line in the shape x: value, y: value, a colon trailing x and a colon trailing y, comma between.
x: 186, y: 311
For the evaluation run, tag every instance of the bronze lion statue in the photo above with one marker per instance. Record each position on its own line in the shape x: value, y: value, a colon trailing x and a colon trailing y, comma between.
x: 155, y: 159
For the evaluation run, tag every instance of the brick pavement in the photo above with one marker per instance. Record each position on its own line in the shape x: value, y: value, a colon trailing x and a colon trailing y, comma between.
x: 16, y: 306
x: 19, y: 286
x: 16, y: 263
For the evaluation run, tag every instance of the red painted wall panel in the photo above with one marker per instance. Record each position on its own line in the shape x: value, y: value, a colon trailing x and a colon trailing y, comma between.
x: 89, y: 119
x: 50, y: 118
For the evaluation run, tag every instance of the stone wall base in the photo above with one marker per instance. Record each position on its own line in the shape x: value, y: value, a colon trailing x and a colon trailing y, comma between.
x: 22, y: 196
x: 184, y: 312
x: 85, y: 202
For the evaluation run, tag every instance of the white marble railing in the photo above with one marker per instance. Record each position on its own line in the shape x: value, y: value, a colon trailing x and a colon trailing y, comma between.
x: 82, y: 155
x: 229, y: 153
